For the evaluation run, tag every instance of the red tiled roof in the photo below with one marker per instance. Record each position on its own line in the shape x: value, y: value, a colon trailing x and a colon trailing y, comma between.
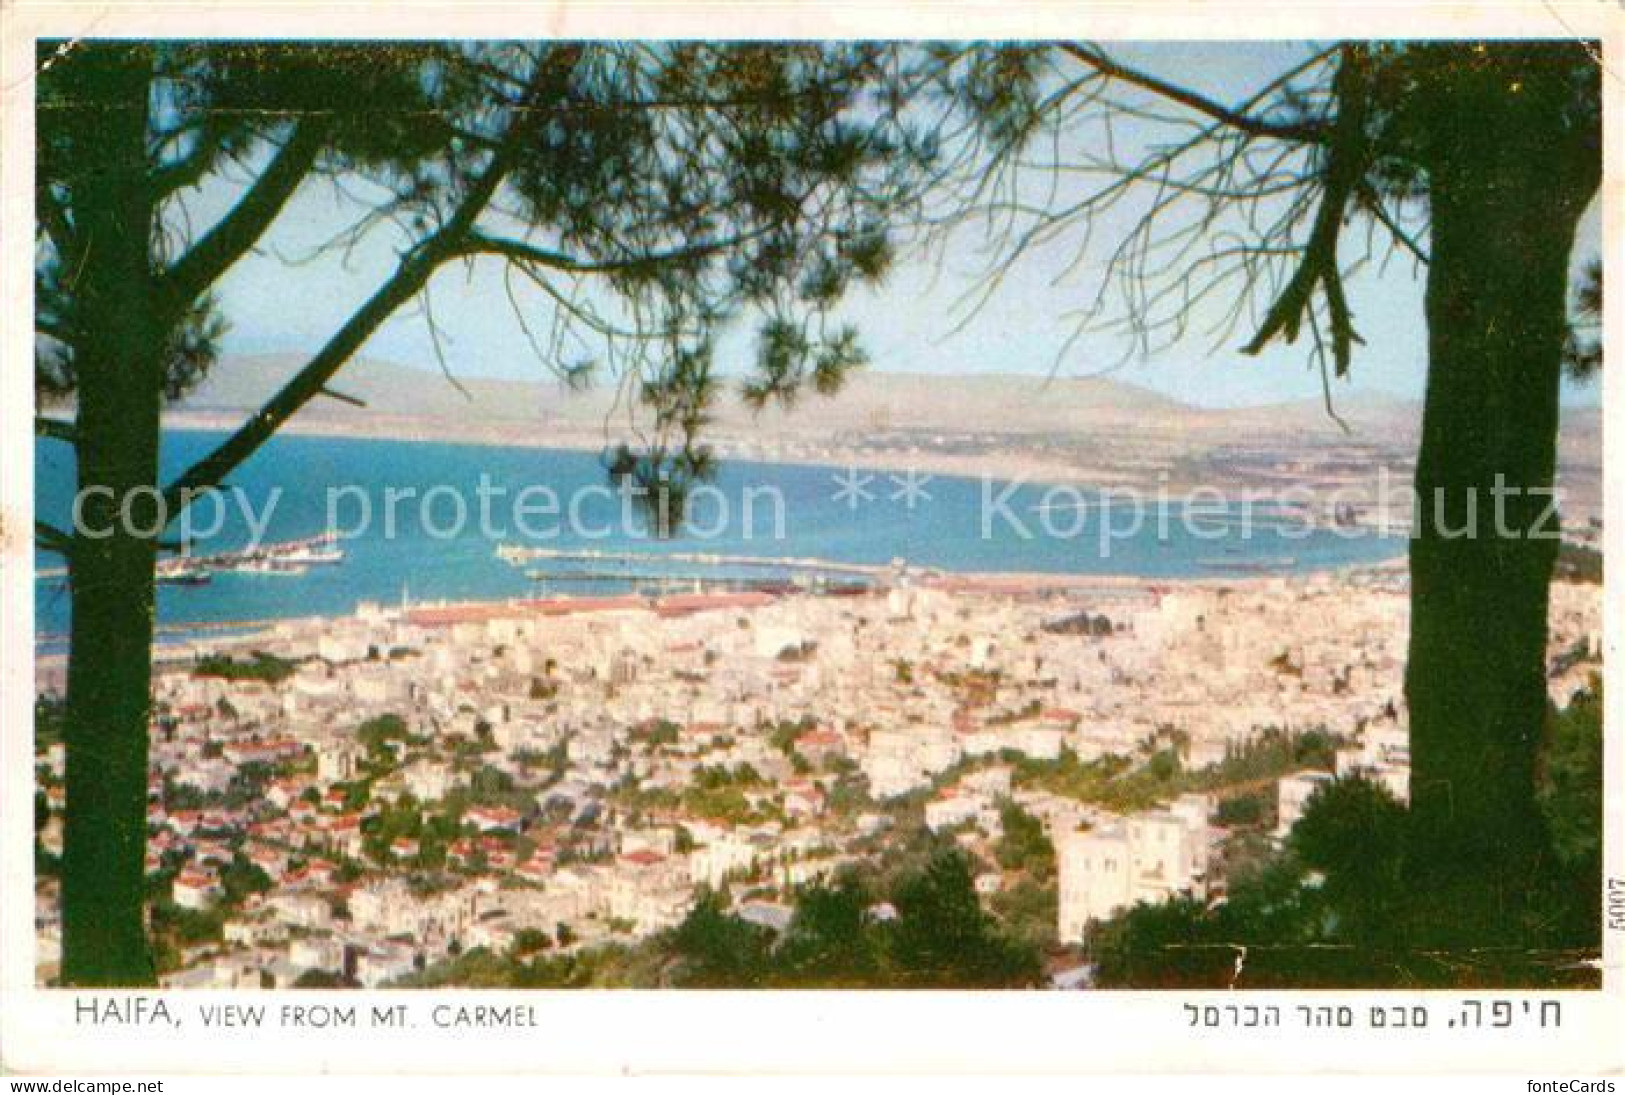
x: 820, y: 737
x: 683, y: 603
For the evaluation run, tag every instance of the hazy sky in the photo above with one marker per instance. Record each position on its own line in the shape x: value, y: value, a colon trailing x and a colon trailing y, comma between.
x: 275, y: 307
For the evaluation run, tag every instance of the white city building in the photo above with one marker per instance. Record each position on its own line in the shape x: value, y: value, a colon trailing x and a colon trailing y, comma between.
x: 1292, y: 795
x: 1149, y: 857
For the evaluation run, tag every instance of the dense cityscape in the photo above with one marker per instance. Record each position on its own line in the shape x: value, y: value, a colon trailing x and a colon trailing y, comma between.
x: 372, y: 800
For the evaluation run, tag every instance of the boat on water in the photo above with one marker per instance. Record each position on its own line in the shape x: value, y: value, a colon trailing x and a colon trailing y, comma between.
x: 189, y: 577
x: 310, y: 556
x: 275, y: 567
x: 289, y: 559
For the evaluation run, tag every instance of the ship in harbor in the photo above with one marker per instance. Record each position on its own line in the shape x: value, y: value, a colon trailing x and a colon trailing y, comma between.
x: 287, y: 559
x: 183, y: 576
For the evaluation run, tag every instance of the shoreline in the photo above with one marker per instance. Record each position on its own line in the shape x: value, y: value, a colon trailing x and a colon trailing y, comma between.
x: 969, y: 583
x: 1024, y: 469
x: 1003, y: 469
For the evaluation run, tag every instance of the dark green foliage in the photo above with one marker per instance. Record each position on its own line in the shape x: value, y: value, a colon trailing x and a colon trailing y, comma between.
x: 1571, y: 783
x: 723, y: 803
x: 182, y: 796
x: 496, y: 789
x: 784, y: 734
x: 240, y: 878
x: 659, y: 732
x: 49, y: 716
x: 528, y: 941
x: 1081, y: 623
x: 1024, y: 845
x: 849, y: 794
x: 717, y: 949
x: 1353, y: 831
x: 404, y: 818
x: 186, y: 927
x: 260, y: 667
x: 46, y: 865
x: 943, y: 938
x: 1170, y: 945
x: 376, y: 735
x: 719, y: 792
x: 611, y: 966
x: 320, y: 979
x: 490, y: 786
x: 1570, y: 792
x: 248, y: 785
x: 1163, y: 766
x: 1000, y: 88
x: 710, y: 776
x: 1121, y: 785
x: 1029, y: 911
x: 1241, y: 811
x: 831, y: 942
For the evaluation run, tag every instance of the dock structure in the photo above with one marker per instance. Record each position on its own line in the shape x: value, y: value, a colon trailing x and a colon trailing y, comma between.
x: 520, y: 555
x: 286, y: 558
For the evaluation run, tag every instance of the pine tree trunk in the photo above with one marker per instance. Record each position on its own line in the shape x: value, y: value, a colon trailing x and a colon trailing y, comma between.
x: 1504, y: 210
x: 119, y: 363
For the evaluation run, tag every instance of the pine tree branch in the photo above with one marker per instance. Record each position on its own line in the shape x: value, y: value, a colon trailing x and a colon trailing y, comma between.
x: 187, y: 170
x: 1307, y: 131
x: 479, y: 243
x: 312, y: 379
x: 410, y: 277
x: 1345, y: 161
x: 247, y: 221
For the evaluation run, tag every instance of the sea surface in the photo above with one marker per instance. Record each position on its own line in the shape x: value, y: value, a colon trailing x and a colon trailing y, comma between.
x: 301, y: 486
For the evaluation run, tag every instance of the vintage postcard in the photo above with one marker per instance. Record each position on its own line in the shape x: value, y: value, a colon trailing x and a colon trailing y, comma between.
x: 999, y: 538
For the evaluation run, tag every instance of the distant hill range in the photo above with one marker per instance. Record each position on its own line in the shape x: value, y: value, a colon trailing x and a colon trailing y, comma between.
x: 997, y: 403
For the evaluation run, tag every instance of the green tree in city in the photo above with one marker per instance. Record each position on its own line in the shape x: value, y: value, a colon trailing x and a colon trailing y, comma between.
x: 1571, y: 790
x: 831, y: 941
x: 717, y: 949
x: 1353, y: 832
x: 1023, y: 844
x: 943, y: 938
x: 241, y: 878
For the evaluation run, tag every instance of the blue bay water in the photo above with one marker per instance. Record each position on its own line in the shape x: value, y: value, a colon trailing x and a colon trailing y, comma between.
x: 952, y: 529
